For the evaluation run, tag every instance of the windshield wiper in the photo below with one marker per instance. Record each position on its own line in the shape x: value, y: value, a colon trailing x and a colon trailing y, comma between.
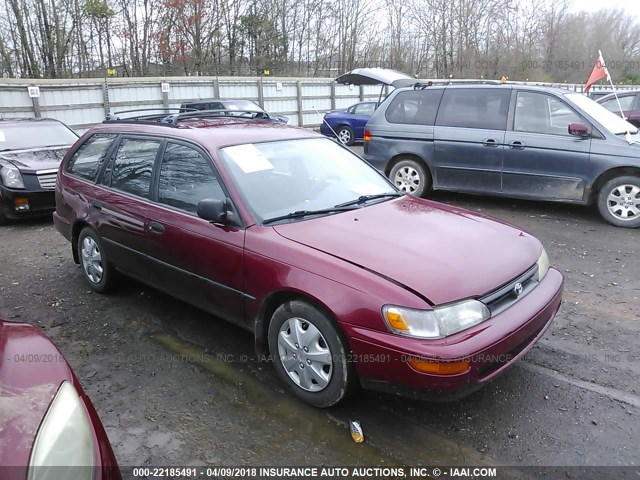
x: 307, y: 213
x: 366, y: 198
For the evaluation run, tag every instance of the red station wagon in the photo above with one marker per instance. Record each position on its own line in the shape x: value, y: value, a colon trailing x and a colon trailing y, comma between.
x: 343, y: 279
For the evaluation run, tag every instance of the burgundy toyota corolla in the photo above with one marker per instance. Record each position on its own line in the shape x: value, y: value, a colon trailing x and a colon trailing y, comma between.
x: 48, y: 426
x: 342, y: 278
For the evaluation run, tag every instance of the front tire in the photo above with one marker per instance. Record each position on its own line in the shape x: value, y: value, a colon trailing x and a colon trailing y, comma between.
x: 310, y: 354
x: 97, y: 270
x: 411, y: 177
x: 345, y: 135
x: 619, y: 201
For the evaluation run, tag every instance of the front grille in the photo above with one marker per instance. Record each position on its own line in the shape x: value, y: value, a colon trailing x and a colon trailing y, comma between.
x: 505, y: 296
x: 47, y: 180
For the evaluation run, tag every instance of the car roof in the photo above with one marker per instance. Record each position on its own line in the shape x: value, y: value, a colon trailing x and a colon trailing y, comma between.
x: 213, y: 132
x: 493, y: 86
x: 221, y: 100
x: 17, y: 120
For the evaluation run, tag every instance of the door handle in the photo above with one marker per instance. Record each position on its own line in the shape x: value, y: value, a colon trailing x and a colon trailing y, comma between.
x: 155, y: 227
x: 517, y: 144
x: 489, y: 142
x: 97, y: 205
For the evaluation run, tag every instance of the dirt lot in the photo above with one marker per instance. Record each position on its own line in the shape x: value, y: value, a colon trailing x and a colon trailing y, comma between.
x: 174, y: 386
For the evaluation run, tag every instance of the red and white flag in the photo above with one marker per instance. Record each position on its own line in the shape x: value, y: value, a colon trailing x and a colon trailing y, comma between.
x: 598, y: 73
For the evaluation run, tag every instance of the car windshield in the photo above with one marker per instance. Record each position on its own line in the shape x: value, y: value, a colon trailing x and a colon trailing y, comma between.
x: 284, y: 177
x: 26, y: 135
x: 604, y: 117
x: 247, y: 105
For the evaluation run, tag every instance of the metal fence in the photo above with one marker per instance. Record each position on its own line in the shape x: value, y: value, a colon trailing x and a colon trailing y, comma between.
x: 81, y: 103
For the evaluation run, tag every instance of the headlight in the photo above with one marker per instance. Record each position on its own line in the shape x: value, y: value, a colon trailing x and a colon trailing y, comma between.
x: 437, y: 323
x: 11, y: 177
x: 64, y: 442
x: 543, y: 264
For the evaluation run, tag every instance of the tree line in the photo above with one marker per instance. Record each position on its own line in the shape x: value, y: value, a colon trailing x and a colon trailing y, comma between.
x: 541, y: 40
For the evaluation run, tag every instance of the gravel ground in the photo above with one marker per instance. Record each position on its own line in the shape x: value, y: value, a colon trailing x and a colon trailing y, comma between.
x: 174, y: 386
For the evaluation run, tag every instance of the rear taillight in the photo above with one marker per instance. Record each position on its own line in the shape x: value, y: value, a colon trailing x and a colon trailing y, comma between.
x: 367, y: 135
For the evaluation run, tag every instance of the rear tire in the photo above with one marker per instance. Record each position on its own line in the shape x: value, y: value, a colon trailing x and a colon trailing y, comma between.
x: 619, y: 201
x: 310, y: 354
x: 98, y: 272
x: 345, y: 135
x: 411, y: 176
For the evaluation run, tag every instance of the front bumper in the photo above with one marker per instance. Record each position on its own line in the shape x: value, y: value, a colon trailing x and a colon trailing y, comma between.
x: 41, y: 202
x: 491, y: 347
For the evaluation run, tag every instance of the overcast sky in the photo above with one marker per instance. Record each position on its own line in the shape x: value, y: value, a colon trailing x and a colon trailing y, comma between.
x: 631, y: 6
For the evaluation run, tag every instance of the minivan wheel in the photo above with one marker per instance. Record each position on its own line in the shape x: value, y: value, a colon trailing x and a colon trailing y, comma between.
x: 619, y: 201
x: 310, y: 354
x: 411, y: 177
x: 345, y: 135
x: 97, y: 270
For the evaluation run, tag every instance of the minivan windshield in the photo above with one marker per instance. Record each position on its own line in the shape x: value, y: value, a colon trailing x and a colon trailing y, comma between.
x: 604, y: 117
x: 288, y: 177
x: 24, y: 135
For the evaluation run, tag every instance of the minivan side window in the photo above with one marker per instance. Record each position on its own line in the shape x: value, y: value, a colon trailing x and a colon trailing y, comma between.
x: 414, y: 107
x: 88, y: 159
x: 186, y: 177
x: 625, y: 102
x: 133, y: 165
x: 541, y: 113
x: 485, y: 108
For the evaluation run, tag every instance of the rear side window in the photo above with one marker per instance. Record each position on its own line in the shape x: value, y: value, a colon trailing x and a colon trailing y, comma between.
x: 625, y: 102
x: 88, y: 159
x: 133, y: 165
x: 485, y: 108
x: 414, y: 107
x: 186, y: 177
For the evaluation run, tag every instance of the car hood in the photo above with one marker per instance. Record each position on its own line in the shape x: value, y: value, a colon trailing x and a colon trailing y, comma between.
x: 31, y: 371
x: 440, y: 252
x: 36, y: 159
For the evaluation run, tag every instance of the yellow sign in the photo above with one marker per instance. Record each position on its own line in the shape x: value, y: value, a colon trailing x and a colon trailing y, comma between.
x: 111, y: 71
x: 266, y: 72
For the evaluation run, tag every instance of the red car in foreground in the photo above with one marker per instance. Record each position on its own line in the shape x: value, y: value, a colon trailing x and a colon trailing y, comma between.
x: 342, y: 278
x: 48, y: 426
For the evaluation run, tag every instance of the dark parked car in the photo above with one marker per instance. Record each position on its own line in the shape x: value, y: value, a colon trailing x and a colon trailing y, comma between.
x: 510, y: 140
x: 49, y: 427
x: 238, y: 107
x: 30, y: 153
x: 295, y: 238
x: 348, y: 124
x: 630, y: 103
x: 598, y: 94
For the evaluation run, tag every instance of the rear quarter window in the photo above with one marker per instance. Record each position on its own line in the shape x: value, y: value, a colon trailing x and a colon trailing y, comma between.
x: 485, y: 108
x: 414, y: 107
x: 88, y: 159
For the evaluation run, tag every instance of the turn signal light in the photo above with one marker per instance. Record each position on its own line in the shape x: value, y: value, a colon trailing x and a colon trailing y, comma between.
x: 440, y: 368
x: 367, y: 135
x: 21, y: 203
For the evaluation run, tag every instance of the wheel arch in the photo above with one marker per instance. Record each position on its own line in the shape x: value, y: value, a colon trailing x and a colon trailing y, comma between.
x: 75, y: 233
x: 269, y: 305
x: 609, y: 175
x: 407, y: 156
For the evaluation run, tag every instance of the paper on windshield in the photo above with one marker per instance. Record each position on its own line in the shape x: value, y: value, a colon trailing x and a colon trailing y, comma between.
x: 2, y: 137
x: 248, y: 158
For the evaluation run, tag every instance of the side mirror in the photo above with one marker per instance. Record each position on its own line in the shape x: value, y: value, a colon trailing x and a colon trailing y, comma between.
x: 578, y: 129
x: 212, y: 209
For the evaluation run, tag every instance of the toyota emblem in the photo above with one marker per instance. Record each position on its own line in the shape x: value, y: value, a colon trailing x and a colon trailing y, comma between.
x: 517, y: 289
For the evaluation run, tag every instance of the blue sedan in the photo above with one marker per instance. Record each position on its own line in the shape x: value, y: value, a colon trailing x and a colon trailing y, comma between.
x: 348, y: 124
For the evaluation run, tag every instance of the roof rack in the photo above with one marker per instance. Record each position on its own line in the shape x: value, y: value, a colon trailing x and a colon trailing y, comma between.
x: 172, y: 119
